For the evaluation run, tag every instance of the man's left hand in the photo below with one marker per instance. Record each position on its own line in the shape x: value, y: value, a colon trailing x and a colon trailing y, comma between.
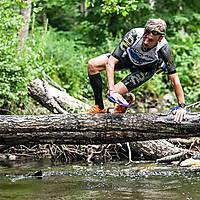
x: 179, y: 114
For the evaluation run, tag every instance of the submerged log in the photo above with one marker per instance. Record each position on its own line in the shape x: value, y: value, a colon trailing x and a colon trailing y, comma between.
x: 94, y: 128
x: 177, y: 157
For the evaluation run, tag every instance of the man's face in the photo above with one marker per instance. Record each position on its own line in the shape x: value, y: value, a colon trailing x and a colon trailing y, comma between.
x: 150, y: 40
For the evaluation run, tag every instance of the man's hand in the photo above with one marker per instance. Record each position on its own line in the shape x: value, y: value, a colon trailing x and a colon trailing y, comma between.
x: 179, y: 113
x: 117, y: 98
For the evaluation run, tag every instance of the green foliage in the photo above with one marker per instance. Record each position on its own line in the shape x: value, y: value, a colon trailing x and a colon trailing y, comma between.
x: 119, y: 7
x: 8, y: 45
x: 17, y: 68
x: 187, y: 50
x: 69, y: 59
x: 76, y: 37
x: 109, y: 18
x: 57, y: 13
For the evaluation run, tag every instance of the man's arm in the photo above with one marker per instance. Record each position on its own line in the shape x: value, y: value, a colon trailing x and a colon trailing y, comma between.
x: 177, y: 88
x: 180, y: 113
x: 110, y: 73
x: 112, y: 93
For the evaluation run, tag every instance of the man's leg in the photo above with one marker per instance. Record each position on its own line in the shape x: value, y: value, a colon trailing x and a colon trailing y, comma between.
x: 95, y: 66
x: 127, y: 96
x: 121, y: 88
x: 135, y: 79
x: 130, y: 82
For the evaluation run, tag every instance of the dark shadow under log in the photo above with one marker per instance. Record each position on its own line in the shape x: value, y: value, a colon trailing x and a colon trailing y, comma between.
x: 94, y: 129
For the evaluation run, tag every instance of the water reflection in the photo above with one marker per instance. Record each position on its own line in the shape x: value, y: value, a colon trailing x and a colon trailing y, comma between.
x: 110, y: 181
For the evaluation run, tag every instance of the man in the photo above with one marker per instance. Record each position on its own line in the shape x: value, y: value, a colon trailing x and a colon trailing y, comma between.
x: 142, y: 51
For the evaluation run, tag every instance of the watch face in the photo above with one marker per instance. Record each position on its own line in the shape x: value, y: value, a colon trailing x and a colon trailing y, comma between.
x: 182, y: 105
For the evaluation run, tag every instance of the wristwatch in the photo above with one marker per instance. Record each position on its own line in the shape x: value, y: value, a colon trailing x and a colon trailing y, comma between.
x: 181, y: 105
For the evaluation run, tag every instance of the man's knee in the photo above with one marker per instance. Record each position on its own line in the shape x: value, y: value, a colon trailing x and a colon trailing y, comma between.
x: 91, y: 67
x: 121, y: 88
x: 97, y: 64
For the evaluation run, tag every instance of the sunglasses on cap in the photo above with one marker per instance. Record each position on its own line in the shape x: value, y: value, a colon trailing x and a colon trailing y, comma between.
x: 154, y: 32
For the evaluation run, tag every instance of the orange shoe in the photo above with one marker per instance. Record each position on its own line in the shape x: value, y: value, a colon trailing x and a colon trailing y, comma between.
x: 95, y: 109
x: 130, y: 98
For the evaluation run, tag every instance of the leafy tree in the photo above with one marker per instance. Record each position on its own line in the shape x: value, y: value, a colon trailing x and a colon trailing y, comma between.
x: 80, y: 30
x: 17, y: 67
x: 183, y: 22
x: 10, y: 71
x: 100, y: 30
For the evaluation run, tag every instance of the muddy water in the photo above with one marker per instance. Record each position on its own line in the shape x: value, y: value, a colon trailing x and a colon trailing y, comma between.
x: 103, y: 181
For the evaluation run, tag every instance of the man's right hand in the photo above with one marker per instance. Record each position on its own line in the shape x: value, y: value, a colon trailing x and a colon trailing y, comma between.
x: 117, y: 98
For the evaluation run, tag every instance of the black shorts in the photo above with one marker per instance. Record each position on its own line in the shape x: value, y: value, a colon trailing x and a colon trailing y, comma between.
x: 137, y: 78
x: 138, y: 75
x: 123, y: 64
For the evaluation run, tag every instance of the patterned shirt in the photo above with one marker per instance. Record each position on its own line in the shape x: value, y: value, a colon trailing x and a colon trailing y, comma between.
x: 131, y: 47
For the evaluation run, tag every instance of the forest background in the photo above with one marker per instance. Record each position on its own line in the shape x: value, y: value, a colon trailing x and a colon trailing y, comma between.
x: 62, y: 35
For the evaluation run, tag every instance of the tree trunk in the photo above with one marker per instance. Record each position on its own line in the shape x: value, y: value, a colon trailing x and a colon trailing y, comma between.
x: 26, y: 13
x: 58, y: 101
x: 55, y: 100
x: 154, y: 149
x: 94, y: 128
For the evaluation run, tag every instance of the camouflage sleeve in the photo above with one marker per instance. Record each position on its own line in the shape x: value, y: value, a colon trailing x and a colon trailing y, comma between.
x: 128, y: 39
x: 166, y: 55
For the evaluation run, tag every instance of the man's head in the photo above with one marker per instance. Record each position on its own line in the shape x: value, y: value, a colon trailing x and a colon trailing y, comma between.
x: 156, y: 26
x: 154, y: 32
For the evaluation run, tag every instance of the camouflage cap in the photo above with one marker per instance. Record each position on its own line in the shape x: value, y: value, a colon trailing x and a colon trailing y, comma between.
x: 158, y: 25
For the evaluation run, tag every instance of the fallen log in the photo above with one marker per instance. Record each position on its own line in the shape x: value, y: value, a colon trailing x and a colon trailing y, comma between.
x: 94, y: 128
x: 154, y: 149
x: 55, y: 100
x: 177, y: 157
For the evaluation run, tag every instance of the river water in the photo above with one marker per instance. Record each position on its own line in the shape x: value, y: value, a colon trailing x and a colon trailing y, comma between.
x: 138, y: 181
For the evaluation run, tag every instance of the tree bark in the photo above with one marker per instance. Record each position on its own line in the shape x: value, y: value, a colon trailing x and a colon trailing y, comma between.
x: 154, y: 149
x: 26, y: 13
x: 55, y: 100
x: 94, y: 128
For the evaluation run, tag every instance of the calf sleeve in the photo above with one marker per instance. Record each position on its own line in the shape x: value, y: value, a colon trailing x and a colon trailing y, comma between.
x: 96, y: 83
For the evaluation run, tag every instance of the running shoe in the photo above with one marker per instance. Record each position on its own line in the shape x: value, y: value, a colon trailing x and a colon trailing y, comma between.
x: 130, y: 98
x: 95, y: 109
